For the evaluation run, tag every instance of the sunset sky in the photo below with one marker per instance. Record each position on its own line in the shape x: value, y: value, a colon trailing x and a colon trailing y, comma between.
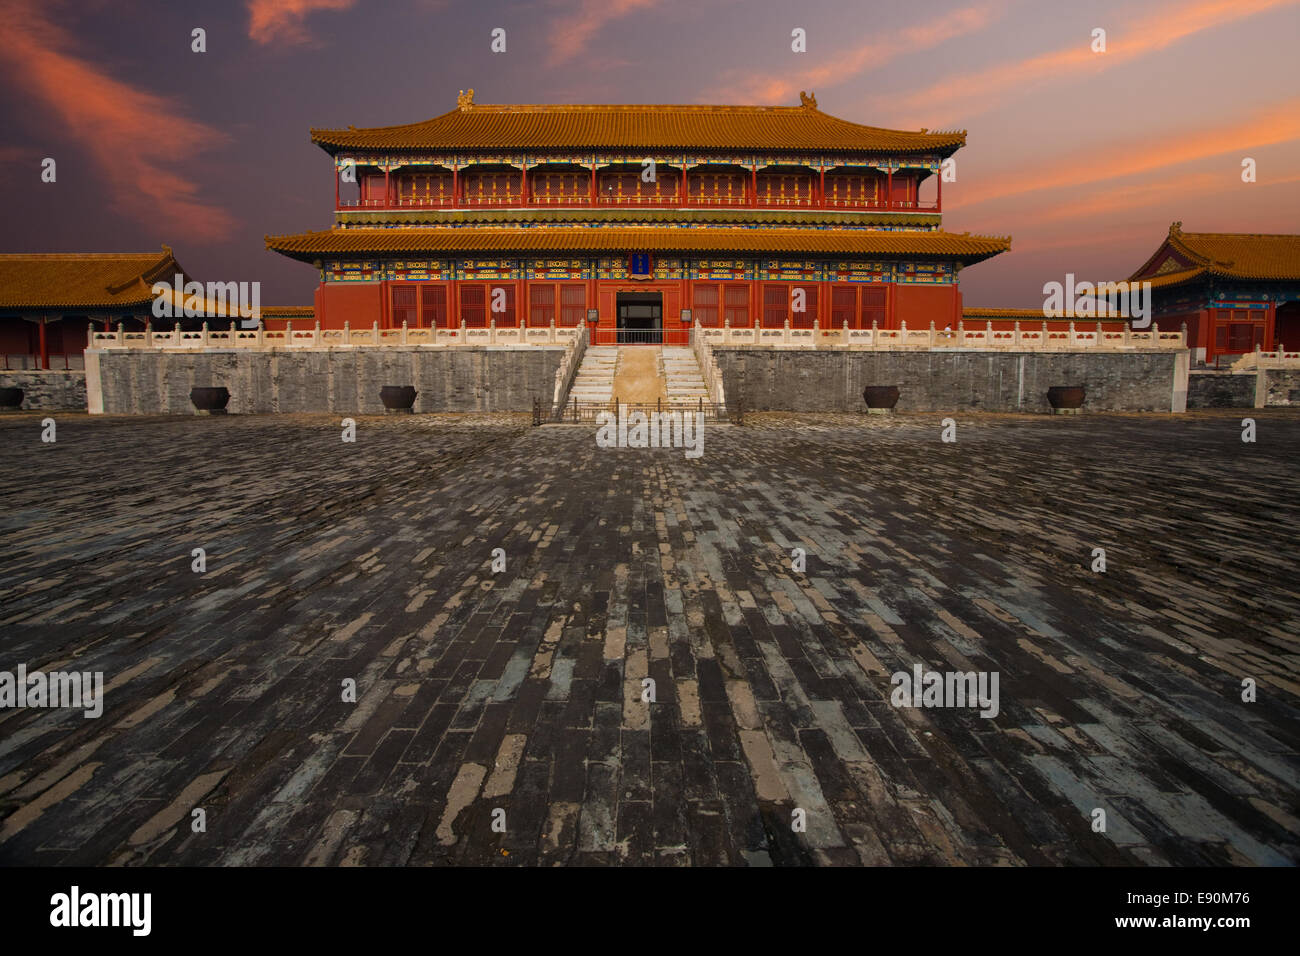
x: 1083, y: 158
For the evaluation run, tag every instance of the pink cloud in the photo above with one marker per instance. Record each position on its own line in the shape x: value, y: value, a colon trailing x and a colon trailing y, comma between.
x: 1275, y: 123
x: 975, y: 92
x: 575, y: 28
x: 284, y: 21
x: 832, y: 69
x: 133, y: 136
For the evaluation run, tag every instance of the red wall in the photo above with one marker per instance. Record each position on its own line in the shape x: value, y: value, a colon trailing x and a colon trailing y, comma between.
x: 919, y: 305
x: 360, y: 304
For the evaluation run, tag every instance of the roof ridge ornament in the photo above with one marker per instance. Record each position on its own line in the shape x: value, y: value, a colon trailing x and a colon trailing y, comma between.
x: 465, y: 100
x: 807, y: 100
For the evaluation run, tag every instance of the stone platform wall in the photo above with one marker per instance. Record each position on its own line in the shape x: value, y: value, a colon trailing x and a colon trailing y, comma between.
x: 346, y: 380
x: 52, y: 389
x: 1281, y: 386
x: 1255, y: 388
x: 1207, y: 389
x: 952, y: 380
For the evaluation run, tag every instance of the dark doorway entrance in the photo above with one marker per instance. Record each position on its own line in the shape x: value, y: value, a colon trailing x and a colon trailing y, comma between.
x: 640, y: 318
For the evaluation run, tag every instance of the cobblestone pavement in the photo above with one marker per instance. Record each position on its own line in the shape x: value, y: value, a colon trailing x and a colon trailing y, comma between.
x: 521, y: 690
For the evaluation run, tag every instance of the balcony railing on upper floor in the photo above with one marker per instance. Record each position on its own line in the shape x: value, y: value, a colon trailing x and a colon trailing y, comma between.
x: 668, y: 201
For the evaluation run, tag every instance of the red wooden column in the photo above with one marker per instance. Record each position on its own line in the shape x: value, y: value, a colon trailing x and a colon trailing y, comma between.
x: 45, y: 352
x: 685, y: 196
x: 753, y: 187
x: 523, y: 185
x: 455, y: 184
x: 336, y: 188
x: 388, y: 196
x: 821, y: 189
x: 1270, y: 329
x: 593, y: 184
x: 938, y: 199
x: 889, y: 186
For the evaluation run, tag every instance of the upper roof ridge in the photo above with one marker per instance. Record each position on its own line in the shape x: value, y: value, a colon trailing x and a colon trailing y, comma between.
x: 638, y: 126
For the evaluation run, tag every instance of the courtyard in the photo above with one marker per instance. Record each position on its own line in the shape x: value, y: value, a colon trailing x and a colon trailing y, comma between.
x: 501, y: 594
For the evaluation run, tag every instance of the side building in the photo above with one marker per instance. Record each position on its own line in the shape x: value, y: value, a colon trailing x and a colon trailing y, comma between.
x: 49, y: 300
x: 1236, y: 292
x: 642, y: 219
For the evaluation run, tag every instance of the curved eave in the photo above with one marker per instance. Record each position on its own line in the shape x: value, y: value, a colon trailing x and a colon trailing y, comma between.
x: 729, y: 129
x: 551, y: 241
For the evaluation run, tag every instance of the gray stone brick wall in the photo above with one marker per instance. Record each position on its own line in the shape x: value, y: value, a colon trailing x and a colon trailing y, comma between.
x: 463, y: 379
x: 772, y: 379
x: 1207, y: 389
x: 53, y: 389
x: 1282, y: 386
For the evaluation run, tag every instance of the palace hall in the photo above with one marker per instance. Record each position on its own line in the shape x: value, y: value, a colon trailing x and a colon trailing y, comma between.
x: 643, y: 220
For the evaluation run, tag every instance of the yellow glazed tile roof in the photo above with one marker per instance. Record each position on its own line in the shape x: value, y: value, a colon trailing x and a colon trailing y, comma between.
x: 82, y: 280
x: 527, y: 127
x: 1234, y: 255
x: 308, y: 246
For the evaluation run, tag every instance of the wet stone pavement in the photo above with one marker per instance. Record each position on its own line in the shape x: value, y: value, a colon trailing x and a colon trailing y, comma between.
x: 515, y: 697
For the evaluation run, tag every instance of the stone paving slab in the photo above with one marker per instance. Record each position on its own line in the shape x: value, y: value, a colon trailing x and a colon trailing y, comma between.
x: 499, y: 714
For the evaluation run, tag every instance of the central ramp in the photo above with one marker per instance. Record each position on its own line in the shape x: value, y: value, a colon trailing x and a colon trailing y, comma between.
x: 640, y: 378
x: 661, y: 376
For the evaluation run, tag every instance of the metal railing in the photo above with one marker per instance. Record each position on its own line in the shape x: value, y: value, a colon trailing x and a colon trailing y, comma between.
x: 575, y: 412
x: 665, y: 336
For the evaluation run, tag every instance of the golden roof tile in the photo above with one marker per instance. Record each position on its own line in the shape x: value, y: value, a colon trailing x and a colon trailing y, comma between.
x: 475, y: 126
x: 1235, y: 255
x: 82, y: 280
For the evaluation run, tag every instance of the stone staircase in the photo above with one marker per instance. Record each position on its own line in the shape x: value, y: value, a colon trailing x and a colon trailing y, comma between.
x: 595, y: 379
x: 681, y: 372
x: 677, y: 367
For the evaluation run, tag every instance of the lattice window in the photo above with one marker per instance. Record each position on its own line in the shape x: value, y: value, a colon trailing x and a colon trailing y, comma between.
x: 433, y: 306
x: 704, y: 300
x: 373, y: 188
x: 844, y: 305
x: 541, y: 305
x: 573, y: 304
x: 736, y: 300
x: 850, y: 189
x: 804, y: 319
x: 776, y: 305
x: 473, y: 305
x: 404, y: 308
x: 872, y: 300
x: 506, y: 318
x: 493, y: 188
x: 1241, y: 337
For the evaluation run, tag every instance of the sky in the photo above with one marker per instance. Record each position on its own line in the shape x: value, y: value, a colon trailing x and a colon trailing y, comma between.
x: 1083, y: 157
